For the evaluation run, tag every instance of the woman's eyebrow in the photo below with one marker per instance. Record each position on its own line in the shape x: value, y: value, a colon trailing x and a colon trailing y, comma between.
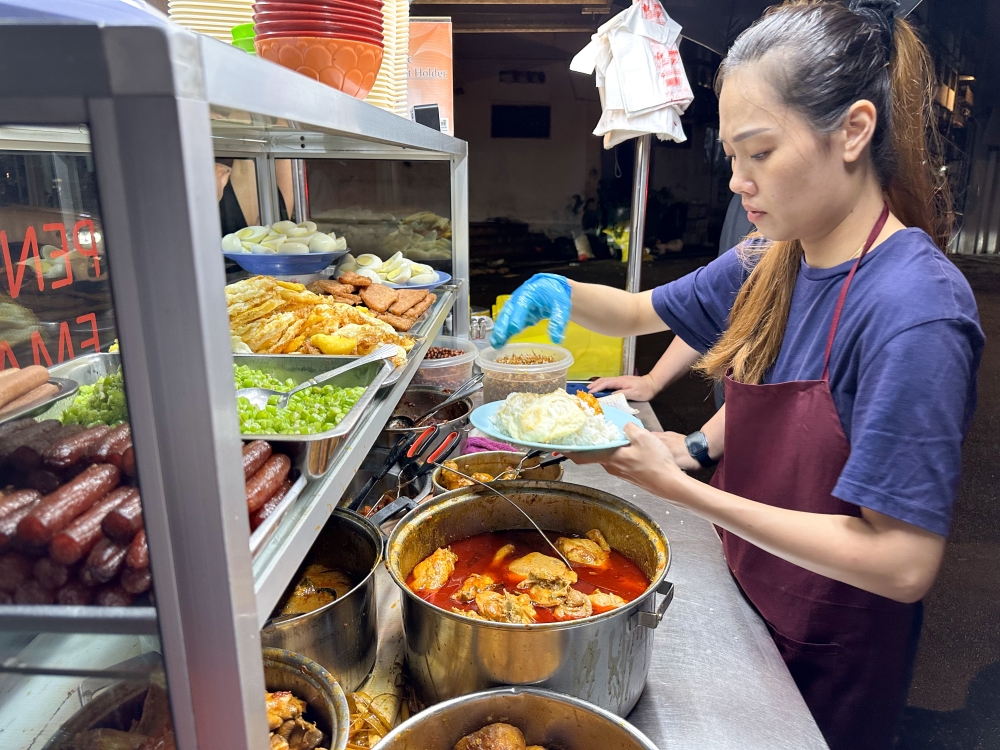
x: 746, y: 134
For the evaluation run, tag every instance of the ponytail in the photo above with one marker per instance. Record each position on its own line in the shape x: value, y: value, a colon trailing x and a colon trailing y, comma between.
x: 835, y: 56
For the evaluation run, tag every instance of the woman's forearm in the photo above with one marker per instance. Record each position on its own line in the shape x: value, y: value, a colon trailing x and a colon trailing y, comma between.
x: 614, y: 312
x: 715, y: 433
x: 675, y: 363
x: 874, y: 552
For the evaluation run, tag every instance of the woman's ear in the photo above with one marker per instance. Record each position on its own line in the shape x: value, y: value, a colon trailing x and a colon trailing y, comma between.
x: 858, y: 129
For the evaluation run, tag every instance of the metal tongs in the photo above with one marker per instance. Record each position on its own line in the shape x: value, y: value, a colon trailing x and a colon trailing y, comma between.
x: 551, y: 460
x: 519, y: 509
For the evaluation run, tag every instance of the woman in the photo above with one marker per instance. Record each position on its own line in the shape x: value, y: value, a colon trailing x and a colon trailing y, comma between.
x: 848, y: 345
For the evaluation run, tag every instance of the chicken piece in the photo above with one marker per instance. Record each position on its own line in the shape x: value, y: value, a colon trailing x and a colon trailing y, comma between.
x: 300, y: 734
x: 451, y: 480
x: 583, y: 551
x: 603, y: 601
x: 493, y: 737
x: 534, y: 747
x: 505, y: 607
x: 471, y: 586
x: 506, y: 551
x: 575, y: 606
x: 278, y: 742
x: 546, y: 579
x: 481, y: 476
x: 282, y: 706
x: 471, y: 614
x: 597, y: 537
x: 433, y: 571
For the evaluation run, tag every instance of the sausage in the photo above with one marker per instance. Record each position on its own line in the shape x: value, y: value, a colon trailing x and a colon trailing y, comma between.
x: 17, y: 384
x: 124, y: 522
x: 254, y: 456
x: 69, y: 451
x: 75, y: 593
x: 9, y: 522
x: 57, y: 510
x: 51, y: 574
x: 15, y: 569
x: 17, y: 500
x: 138, y: 552
x: 128, y: 460
x: 32, y: 592
x: 43, y: 480
x: 28, y: 456
x: 113, y: 596
x: 16, y: 425
x: 76, y: 541
x: 46, y: 390
x: 267, y: 480
x: 103, y: 562
x: 258, y: 516
x: 110, y: 449
x: 136, y: 580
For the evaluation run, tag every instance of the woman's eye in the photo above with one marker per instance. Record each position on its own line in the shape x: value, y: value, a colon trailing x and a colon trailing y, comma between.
x: 761, y: 156
x: 729, y: 159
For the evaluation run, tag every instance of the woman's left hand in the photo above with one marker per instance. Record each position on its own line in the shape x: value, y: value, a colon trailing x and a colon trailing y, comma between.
x: 647, y: 462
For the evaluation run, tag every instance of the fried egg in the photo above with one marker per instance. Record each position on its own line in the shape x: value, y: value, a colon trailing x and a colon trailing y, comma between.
x: 538, y: 418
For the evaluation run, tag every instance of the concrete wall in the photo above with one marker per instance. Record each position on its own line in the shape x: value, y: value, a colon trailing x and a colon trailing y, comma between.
x: 530, y: 180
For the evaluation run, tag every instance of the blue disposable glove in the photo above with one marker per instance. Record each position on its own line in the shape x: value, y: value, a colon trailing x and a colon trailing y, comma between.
x: 544, y: 295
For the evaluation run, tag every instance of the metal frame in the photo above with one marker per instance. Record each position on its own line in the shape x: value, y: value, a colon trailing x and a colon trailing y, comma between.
x: 148, y: 95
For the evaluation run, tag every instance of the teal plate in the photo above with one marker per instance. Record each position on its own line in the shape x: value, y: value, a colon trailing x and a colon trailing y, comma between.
x: 482, y: 420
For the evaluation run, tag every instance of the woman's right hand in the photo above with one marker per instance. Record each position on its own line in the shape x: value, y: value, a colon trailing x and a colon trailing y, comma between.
x: 634, y: 387
x: 677, y: 445
x: 544, y: 295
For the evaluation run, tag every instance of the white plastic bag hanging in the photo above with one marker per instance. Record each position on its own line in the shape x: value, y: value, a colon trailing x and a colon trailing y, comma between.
x: 640, y: 76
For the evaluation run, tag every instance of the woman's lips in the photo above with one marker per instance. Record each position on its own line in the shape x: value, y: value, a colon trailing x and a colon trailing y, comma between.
x: 755, y: 216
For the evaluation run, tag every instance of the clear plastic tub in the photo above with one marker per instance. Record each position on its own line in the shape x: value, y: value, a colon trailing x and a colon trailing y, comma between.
x: 448, y: 372
x: 501, y: 379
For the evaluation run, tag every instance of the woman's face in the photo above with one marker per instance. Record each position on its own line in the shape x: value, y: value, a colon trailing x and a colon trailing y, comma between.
x: 795, y: 183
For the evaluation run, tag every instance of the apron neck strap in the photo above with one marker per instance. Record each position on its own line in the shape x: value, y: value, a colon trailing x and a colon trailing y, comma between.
x: 879, y: 225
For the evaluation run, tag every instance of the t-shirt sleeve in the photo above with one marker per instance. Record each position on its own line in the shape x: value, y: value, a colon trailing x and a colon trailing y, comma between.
x: 910, y: 416
x: 696, y: 307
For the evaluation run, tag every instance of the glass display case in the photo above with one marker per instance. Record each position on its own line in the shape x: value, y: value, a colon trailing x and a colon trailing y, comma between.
x: 130, y: 601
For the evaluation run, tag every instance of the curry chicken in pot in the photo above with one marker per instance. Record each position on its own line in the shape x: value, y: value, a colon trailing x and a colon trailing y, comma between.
x: 514, y: 577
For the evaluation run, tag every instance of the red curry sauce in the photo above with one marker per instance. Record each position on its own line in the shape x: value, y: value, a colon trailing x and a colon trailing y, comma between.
x: 475, y: 555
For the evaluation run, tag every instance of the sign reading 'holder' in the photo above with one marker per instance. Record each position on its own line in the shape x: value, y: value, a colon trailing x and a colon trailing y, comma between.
x: 429, y: 80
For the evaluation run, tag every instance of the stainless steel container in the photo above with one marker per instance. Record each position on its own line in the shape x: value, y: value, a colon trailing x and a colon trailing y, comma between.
x: 602, y: 659
x: 418, y: 400
x: 285, y: 670
x: 343, y: 635
x: 545, y: 718
x: 495, y: 462
x: 313, y: 454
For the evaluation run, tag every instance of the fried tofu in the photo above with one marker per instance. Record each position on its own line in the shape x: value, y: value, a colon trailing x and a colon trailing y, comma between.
x: 399, y: 323
x: 421, y: 307
x: 328, y: 286
x: 349, y: 277
x: 378, y: 297
x: 407, y: 299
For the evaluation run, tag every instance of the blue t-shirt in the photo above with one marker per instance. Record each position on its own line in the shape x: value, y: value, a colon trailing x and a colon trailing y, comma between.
x: 902, y: 369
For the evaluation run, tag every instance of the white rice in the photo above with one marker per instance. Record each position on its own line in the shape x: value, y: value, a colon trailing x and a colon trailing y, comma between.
x: 596, y: 430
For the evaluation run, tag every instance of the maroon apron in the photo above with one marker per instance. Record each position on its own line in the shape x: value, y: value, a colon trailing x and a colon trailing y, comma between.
x: 849, y: 651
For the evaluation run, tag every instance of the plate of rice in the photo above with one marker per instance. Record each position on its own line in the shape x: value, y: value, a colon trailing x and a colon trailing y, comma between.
x: 554, y: 421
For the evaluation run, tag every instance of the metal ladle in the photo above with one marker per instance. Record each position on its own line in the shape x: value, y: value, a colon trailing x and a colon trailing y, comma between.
x: 515, y: 505
x: 402, y: 422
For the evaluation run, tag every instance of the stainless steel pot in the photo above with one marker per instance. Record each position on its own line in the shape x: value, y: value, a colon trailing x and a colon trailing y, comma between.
x: 343, y: 635
x: 495, y: 462
x: 602, y: 659
x: 285, y: 670
x: 545, y: 718
x: 419, y: 399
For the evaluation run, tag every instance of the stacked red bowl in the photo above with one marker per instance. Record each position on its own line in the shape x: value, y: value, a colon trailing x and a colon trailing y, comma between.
x: 336, y: 42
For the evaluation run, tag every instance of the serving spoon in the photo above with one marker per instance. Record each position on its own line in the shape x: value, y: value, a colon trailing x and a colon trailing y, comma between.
x: 516, y: 506
x: 259, y: 396
x: 402, y: 422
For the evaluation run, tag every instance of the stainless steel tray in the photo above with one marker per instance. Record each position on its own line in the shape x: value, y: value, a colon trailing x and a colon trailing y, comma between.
x: 263, y: 532
x: 67, y: 387
x: 85, y: 370
x: 314, y: 453
x: 330, y: 361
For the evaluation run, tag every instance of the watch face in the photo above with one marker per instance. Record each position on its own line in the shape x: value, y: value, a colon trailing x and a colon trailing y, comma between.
x: 696, y: 444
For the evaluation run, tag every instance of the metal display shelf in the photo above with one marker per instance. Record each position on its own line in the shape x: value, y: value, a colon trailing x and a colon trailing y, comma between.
x: 287, y: 548
x: 151, y: 105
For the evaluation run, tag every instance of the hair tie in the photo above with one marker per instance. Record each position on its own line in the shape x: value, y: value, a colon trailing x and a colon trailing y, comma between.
x: 881, y: 14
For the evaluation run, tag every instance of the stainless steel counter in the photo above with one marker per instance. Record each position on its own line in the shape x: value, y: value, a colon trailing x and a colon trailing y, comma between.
x: 716, y: 682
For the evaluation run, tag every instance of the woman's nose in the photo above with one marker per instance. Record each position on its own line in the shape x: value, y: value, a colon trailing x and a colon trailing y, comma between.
x: 740, y: 183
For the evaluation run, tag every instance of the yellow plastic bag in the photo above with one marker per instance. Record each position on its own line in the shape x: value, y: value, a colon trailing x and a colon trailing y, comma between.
x: 594, y: 355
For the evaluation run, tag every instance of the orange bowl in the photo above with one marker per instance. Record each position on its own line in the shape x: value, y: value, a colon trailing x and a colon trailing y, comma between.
x: 346, y: 65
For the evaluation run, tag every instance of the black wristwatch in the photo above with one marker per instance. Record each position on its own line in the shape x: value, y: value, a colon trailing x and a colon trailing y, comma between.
x: 697, y: 445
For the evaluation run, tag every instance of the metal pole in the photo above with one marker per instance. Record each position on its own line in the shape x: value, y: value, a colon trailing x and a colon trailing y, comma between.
x: 300, y: 190
x: 637, y: 228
